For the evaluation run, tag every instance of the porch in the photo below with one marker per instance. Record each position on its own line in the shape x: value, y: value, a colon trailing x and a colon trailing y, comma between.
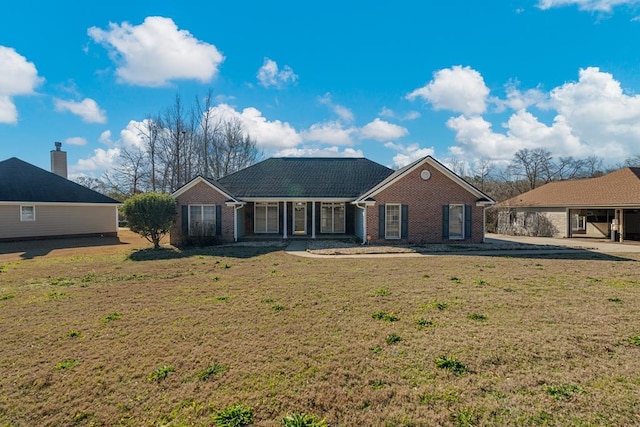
x: 601, y: 223
x: 299, y: 219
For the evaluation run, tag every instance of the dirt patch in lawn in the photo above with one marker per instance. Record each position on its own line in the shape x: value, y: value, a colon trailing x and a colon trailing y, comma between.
x: 119, y: 335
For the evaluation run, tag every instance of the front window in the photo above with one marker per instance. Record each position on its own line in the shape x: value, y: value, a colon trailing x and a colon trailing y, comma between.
x: 27, y: 213
x: 266, y: 217
x: 456, y: 222
x: 332, y: 218
x: 202, y: 220
x: 392, y: 222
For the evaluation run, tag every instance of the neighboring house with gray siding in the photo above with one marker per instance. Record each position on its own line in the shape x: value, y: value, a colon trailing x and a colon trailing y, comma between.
x: 282, y: 198
x: 35, y: 203
x: 605, y: 207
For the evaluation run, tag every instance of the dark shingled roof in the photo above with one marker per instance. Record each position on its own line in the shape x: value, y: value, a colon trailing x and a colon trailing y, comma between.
x: 24, y: 182
x: 290, y: 177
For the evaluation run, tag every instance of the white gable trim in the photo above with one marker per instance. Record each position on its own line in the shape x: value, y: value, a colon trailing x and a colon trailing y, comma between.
x: 436, y: 165
x: 194, y: 182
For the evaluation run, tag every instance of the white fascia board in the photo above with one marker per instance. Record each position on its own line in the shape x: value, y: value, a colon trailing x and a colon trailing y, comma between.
x: 297, y: 199
x: 197, y: 180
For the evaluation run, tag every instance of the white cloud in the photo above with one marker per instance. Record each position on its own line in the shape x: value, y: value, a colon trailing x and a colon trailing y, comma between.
x: 523, y: 130
x: 411, y: 115
x: 270, y: 75
x: 588, y: 5
x: 407, y: 154
x: 518, y: 100
x: 459, y: 89
x: 156, y: 52
x: 329, y: 133
x: 18, y: 76
x: 100, y: 160
x: 132, y: 135
x: 381, y: 130
x: 341, y: 111
x: 268, y: 134
x: 600, y: 113
x: 105, y: 138
x: 390, y: 114
x: 319, y: 152
x: 87, y: 109
x: 76, y: 140
x: 8, y: 110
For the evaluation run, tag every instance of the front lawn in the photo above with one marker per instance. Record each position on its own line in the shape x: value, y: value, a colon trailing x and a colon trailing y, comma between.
x: 178, y: 338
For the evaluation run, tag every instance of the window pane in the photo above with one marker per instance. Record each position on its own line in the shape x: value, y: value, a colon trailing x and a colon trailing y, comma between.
x: 456, y: 222
x: 272, y: 219
x: 392, y: 226
x: 326, y: 218
x: 260, y: 218
x: 338, y: 219
x: 27, y: 213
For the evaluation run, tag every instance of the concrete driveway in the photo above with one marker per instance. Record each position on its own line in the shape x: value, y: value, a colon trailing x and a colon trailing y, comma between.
x: 598, y: 245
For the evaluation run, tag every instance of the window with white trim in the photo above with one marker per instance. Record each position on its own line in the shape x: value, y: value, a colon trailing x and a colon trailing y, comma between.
x: 202, y: 220
x: 265, y: 219
x: 392, y: 221
x: 332, y: 218
x: 456, y: 222
x: 27, y: 213
x: 578, y: 222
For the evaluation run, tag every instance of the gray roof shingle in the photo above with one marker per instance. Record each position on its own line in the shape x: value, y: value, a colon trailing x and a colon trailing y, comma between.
x: 23, y: 182
x: 320, y: 177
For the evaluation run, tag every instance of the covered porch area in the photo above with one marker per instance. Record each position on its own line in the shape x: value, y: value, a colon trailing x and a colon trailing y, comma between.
x: 264, y: 219
x: 613, y: 223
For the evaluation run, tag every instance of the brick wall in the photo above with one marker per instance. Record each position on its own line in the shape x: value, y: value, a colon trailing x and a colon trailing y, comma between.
x: 202, y: 193
x: 425, y: 200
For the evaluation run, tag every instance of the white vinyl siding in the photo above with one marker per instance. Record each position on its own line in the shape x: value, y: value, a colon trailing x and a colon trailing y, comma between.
x: 332, y: 218
x: 266, y: 217
x: 392, y: 221
x: 456, y: 222
x: 202, y: 220
x: 27, y: 213
x: 54, y: 220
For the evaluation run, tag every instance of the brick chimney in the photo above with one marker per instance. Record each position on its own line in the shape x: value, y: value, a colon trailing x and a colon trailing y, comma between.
x: 59, y: 161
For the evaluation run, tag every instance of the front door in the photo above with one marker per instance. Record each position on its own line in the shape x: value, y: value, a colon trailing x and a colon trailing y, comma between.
x: 299, y: 218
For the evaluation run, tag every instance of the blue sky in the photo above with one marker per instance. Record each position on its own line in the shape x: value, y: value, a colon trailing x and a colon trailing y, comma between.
x: 460, y: 80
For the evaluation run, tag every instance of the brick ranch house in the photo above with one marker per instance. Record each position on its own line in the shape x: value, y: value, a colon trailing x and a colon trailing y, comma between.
x: 283, y: 198
x: 605, y: 207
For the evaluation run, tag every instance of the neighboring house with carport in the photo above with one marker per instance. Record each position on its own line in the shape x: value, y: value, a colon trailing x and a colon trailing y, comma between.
x: 590, y: 207
x: 283, y: 198
x: 35, y: 203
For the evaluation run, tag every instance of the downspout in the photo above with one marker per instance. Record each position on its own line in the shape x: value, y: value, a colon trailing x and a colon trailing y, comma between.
x: 364, y: 222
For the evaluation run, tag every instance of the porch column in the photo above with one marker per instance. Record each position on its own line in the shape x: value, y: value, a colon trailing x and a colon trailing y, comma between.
x: 313, y: 220
x: 235, y: 223
x: 621, y: 226
x: 284, y: 234
x: 364, y: 225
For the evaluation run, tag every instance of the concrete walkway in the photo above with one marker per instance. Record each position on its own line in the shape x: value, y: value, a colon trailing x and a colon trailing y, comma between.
x: 296, y: 247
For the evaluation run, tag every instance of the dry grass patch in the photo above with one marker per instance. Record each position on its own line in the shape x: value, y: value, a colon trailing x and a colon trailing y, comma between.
x: 556, y: 344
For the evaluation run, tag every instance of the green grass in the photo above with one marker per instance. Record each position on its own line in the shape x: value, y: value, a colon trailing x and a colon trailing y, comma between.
x: 451, y: 364
x: 161, y: 373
